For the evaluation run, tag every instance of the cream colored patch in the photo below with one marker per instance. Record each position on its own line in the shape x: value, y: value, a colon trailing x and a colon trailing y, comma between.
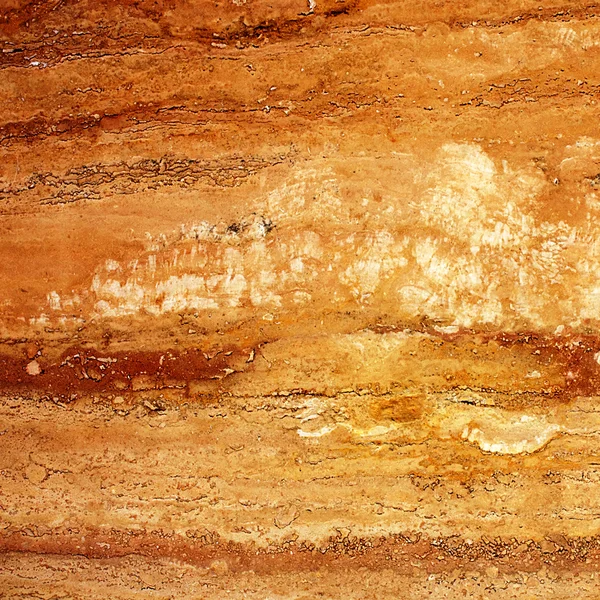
x: 377, y: 258
x: 502, y: 435
x: 33, y: 368
x: 377, y: 430
x: 54, y: 301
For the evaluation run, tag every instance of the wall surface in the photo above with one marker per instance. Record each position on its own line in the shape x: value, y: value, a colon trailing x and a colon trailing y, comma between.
x: 299, y: 299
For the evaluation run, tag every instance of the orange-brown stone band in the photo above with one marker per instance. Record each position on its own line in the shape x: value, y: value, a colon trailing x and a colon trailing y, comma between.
x: 402, y: 553
x: 567, y: 365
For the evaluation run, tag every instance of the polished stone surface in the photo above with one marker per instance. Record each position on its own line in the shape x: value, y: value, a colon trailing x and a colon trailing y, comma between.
x: 299, y: 299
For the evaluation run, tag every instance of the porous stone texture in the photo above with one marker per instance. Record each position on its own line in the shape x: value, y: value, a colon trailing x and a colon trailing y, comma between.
x: 299, y: 299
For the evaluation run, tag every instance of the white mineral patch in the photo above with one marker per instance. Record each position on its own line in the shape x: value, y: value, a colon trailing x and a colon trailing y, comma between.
x: 507, y: 436
x: 318, y: 433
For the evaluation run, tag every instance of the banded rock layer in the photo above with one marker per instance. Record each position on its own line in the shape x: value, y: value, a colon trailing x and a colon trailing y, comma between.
x: 299, y: 299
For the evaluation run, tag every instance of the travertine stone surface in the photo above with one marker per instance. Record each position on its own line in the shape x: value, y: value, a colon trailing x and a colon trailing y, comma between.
x: 299, y: 299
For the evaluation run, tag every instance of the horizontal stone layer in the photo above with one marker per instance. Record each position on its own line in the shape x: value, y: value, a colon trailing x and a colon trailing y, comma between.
x: 511, y: 369
x: 136, y: 576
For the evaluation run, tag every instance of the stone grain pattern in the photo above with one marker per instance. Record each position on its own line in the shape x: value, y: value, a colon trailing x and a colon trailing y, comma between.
x: 299, y: 299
